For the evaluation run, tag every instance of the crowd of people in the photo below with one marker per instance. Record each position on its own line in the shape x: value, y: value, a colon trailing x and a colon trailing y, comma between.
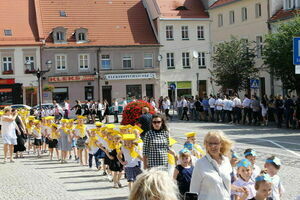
x: 231, y: 109
x: 144, y: 154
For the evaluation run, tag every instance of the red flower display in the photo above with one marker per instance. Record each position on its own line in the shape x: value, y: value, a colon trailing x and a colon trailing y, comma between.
x: 133, y: 111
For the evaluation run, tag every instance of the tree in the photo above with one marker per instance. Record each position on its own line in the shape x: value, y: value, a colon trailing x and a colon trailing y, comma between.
x: 234, y: 64
x: 278, y: 54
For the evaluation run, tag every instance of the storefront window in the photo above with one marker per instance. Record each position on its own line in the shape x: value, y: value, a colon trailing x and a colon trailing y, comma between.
x: 134, y: 90
x: 6, y: 97
x: 60, y: 94
x: 149, y: 90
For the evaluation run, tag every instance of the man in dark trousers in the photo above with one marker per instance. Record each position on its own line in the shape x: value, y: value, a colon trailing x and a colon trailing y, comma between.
x: 145, y: 121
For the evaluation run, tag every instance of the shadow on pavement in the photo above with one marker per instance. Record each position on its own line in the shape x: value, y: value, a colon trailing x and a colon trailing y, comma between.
x: 89, y: 181
x: 87, y: 189
x: 72, y: 171
x: 69, y: 166
x: 83, y: 176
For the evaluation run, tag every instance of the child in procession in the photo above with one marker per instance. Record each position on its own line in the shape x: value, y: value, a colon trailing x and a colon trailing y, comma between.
x: 197, y: 150
x: 244, y: 171
x: 37, y: 137
x: 93, y: 148
x: 130, y: 156
x: 263, y: 187
x: 250, y: 154
x: 65, y: 140
x: 273, y: 165
x: 183, y: 172
x: 81, y: 135
x: 71, y: 128
x: 53, y: 141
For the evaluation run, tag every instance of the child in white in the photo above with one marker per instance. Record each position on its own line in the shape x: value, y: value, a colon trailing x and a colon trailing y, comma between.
x: 244, y: 170
x: 273, y: 165
x: 250, y: 154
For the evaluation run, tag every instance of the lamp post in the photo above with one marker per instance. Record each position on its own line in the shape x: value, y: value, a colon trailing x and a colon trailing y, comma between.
x: 39, y: 74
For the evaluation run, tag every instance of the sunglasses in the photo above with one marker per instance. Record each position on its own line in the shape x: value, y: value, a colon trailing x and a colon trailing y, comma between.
x: 156, y: 122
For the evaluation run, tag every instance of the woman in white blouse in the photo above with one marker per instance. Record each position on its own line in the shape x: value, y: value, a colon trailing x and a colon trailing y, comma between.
x: 211, y: 175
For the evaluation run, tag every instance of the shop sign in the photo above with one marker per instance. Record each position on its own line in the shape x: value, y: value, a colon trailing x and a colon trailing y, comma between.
x: 7, y: 81
x: 184, y: 84
x: 6, y: 90
x: 58, y: 79
x: 130, y: 76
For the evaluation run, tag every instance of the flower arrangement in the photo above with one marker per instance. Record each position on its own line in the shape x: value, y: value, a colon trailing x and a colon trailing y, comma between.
x: 29, y: 71
x: 48, y: 88
x: 8, y: 72
x: 30, y: 89
x: 133, y: 111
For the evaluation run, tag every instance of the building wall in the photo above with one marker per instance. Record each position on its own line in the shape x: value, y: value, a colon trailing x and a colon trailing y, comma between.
x: 249, y: 29
x: 178, y: 46
x: 18, y: 55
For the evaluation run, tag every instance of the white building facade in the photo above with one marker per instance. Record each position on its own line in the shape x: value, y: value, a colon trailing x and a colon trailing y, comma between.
x: 184, y: 54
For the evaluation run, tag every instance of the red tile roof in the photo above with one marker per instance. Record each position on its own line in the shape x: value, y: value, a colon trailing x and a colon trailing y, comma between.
x: 221, y: 3
x: 283, y: 14
x: 19, y: 17
x: 195, y: 9
x: 109, y: 22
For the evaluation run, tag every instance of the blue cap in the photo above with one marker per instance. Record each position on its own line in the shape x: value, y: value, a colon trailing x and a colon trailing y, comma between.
x: 234, y: 155
x: 189, y: 146
x: 250, y: 153
x: 276, y: 161
x: 244, y: 163
x: 184, y: 151
x: 265, y: 177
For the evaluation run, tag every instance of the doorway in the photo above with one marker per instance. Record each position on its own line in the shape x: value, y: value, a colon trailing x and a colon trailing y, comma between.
x: 89, y: 92
x: 134, y: 90
x: 106, y: 93
x: 202, y: 88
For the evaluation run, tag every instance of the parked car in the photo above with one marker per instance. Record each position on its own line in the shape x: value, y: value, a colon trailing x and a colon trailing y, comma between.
x: 20, y: 106
x: 46, y: 106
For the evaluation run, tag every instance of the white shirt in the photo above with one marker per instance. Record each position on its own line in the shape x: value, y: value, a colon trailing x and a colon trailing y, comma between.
x: 184, y: 103
x: 124, y: 103
x: 207, y: 182
x: 246, y: 103
x: 219, y: 104
x: 116, y: 106
x: 153, y: 103
x: 250, y: 185
x: 237, y: 102
x: 256, y: 171
x: 277, y: 187
x: 67, y: 106
x: 211, y: 102
x: 166, y: 104
x: 131, y: 162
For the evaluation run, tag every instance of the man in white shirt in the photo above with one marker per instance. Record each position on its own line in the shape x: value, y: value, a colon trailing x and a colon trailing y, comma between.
x: 247, y: 109
x: 116, y: 110
x: 227, y: 102
x: 237, y: 109
x: 66, y: 109
x: 219, y: 109
x: 185, y: 109
x: 211, y: 103
x: 179, y: 108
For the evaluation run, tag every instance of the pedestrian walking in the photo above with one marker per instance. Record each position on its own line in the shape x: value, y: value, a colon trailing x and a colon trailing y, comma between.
x: 65, y: 140
x: 279, y: 105
x: 247, y: 110
x: 166, y: 106
x: 184, y: 109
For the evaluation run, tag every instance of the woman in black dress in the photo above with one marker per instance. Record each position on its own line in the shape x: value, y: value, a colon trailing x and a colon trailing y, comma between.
x: 77, y: 108
x: 21, y: 135
x: 106, y: 110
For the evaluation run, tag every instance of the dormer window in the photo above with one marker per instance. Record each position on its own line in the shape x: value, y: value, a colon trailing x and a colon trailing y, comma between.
x: 81, y: 35
x: 59, y: 35
x: 7, y: 32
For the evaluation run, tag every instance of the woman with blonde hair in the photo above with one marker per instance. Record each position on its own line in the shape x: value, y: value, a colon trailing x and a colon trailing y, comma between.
x: 154, y: 184
x: 8, y: 131
x: 211, y: 176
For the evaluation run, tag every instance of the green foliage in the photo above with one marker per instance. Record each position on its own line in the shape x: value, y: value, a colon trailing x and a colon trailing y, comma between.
x: 234, y: 64
x: 278, y: 54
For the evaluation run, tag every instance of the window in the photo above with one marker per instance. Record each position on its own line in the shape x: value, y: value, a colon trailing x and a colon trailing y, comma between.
x: 185, y: 32
x: 61, y: 62
x: 105, y: 62
x: 297, y: 4
x: 186, y: 60
x: 200, y: 32
x: 259, y: 46
x: 7, y: 32
x: 60, y: 36
x: 169, y: 32
x: 7, y: 65
x: 258, y: 10
x: 62, y: 13
x: 83, y: 61
x: 201, y: 60
x: 245, y: 43
x: 29, y: 60
x: 289, y: 4
x: 220, y: 20
x: 81, y: 36
x: 244, y: 14
x: 148, y: 60
x: 231, y: 17
x: 127, y: 62
x: 170, y: 60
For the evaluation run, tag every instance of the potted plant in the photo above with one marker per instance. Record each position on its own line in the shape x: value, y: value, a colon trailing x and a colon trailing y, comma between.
x: 28, y: 71
x: 8, y: 72
x: 30, y: 89
x: 48, y: 88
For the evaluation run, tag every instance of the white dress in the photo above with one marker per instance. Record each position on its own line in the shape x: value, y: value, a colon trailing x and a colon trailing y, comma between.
x: 8, y: 130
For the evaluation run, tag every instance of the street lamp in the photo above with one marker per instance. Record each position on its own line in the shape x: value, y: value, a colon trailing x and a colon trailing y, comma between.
x: 39, y: 74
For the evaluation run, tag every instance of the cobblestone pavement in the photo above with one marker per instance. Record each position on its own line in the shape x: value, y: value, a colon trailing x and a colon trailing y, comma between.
x: 32, y: 178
